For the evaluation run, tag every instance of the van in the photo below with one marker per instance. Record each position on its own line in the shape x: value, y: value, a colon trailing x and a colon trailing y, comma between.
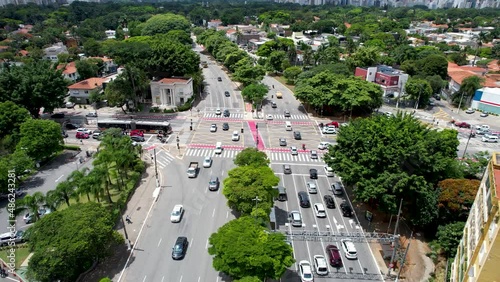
x: 288, y: 126
x: 282, y: 196
x: 11, y: 238
x: 218, y: 148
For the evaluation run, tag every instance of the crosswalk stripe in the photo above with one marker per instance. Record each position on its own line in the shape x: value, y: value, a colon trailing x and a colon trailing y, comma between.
x: 287, y: 157
x: 302, y: 117
x: 211, y: 152
x: 213, y: 115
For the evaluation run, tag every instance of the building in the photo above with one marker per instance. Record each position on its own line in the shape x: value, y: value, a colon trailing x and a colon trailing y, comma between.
x: 214, y: 24
x: 110, y: 34
x: 80, y: 91
x: 54, y: 50
x: 487, y: 100
x: 392, y: 81
x: 69, y: 71
x: 478, y: 253
x: 171, y: 92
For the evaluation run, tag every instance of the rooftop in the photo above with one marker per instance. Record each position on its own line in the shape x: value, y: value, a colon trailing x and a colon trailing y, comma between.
x: 173, y: 80
x: 88, y: 84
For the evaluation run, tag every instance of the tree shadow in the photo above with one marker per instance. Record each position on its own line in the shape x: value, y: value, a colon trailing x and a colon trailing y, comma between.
x: 281, y: 216
x: 110, y: 266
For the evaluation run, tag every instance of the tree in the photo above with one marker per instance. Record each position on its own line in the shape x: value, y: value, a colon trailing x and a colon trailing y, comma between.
x: 88, y: 68
x: 242, y: 248
x: 131, y: 84
x: 65, y: 190
x: 92, y: 48
x: 467, y: 90
x: 366, y: 57
x: 251, y: 157
x: 74, y: 238
x: 291, y: 74
x: 33, y: 86
x: 162, y: 24
x: 11, y: 118
x: 255, y: 93
x: 456, y: 196
x: 448, y: 237
x: 433, y: 65
x: 474, y: 166
x: 249, y: 279
x: 32, y: 204
x: 391, y: 158
x: 419, y: 90
x: 244, y: 184
x: 247, y: 73
x: 40, y: 139
x: 340, y: 93
x: 275, y: 61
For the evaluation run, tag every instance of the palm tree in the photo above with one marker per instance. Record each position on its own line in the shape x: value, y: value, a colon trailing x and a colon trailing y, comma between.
x: 32, y: 203
x: 101, y: 172
x: 65, y: 190
x: 76, y: 179
x: 94, y: 181
x: 53, y: 200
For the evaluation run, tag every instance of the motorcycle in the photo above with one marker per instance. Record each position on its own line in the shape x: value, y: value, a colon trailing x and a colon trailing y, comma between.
x: 303, y: 146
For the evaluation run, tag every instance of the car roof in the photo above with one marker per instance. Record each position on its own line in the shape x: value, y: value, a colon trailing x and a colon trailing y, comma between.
x: 177, y: 207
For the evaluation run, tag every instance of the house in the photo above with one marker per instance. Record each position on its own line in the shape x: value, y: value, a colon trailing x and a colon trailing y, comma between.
x: 477, y: 256
x: 458, y: 73
x: 391, y: 80
x: 110, y: 34
x: 109, y: 65
x: 487, y: 100
x: 214, y: 24
x: 171, y: 92
x: 80, y: 91
x: 54, y: 50
x: 69, y: 71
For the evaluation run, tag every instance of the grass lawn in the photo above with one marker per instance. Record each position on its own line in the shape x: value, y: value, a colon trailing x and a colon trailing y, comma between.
x: 282, y: 80
x: 21, y: 255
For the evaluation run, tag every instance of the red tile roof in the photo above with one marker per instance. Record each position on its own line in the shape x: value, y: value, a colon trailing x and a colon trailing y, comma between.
x: 459, y: 73
x: 69, y: 68
x: 173, y: 80
x: 88, y: 84
x: 24, y: 53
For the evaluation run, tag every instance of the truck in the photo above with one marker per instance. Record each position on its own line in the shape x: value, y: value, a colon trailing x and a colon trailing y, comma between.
x: 192, y: 171
x: 279, y: 95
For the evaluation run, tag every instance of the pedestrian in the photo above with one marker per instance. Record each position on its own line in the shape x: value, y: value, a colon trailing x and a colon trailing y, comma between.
x: 273, y: 86
x: 128, y: 220
x: 81, y: 141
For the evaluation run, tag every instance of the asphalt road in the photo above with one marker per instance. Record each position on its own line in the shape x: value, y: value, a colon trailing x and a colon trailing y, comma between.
x: 206, y: 211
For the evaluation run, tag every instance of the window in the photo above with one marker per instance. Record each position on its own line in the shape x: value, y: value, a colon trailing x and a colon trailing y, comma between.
x: 86, y: 92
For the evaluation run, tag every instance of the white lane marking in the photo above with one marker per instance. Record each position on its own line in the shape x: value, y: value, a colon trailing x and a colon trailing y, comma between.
x: 199, y: 278
x: 206, y: 245
x: 159, y: 242
x: 213, y: 213
x: 144, y: 278
x: 59, y: 177
x: 162, y: 278
x: 227, y: 214
x: 191, y: 242
x: 180, y: 279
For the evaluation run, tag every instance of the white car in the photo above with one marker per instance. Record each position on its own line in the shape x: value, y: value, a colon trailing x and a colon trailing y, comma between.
x: 91, y: 114
x: 213, y: 128
x: 329, y: 130
x: 329, y: 171
x: 84, y: 130
x: 294, y: 151
x: 483, y: 127
x: 323, y: 145
x: 218, y: 112
x: 320, y: 265
x: 319, y: 210
x: 470, y: 111
x: 349, y: 249
x: 305, y: 271
x: 235, y: 136
x: 29, y: 218
x: 269, y: 117
x: 389, y: 114
x: 177, y: 213
x: 314, y: 155
x: 312, y: 188
x: 207, y: 162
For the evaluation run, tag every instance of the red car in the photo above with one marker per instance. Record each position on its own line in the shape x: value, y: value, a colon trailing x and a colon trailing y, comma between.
x: 136, y: 132
x: 462, y: 124
x: 82, y: 135
x: 333, y: 123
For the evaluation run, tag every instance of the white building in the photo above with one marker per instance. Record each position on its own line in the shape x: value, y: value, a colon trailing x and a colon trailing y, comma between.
x: 80, y: 91
x: 54, y: 50
x: 171, y: 92
x: 487, y: 100
x: 110, y: 34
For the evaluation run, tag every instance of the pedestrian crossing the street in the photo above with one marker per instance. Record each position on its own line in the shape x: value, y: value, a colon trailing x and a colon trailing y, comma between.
x: 163, y: 159
x: 195, y: 152
x: 288, y: 157
x: 221, y: 117
x: 292, y: 117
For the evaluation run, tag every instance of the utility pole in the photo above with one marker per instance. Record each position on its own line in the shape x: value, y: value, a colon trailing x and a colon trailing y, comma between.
x: 404, y: 258
x: 419, y: 94
x: 460, y: 103
x: 156, y: 168
x: 396, y: 238
x: 129, y: 247
x: 466, y: 145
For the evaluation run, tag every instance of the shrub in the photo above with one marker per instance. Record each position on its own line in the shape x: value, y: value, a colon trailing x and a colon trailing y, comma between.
x: 72, y: 147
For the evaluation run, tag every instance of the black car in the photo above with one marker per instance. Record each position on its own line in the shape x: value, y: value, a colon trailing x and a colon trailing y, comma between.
x: 71, y: 126
x: 137, y: 138
x: 226, y: 93
x: 219, y: 78
x: 287, y: 113
x: 180, y: 248
x: 296, y: 135
x: 329, y: 202
x: 226, y: 113
x: 304, y: 199
x: 313, y: 173
x: 225, y: 126
x: 57, y: 115
x: 346, y: 209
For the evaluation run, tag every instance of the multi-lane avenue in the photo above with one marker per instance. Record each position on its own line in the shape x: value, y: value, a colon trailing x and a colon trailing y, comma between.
x: 206, y: 211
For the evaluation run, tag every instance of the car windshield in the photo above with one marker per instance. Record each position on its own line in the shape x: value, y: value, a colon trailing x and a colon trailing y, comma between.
x: 177, y: 248
x: 307, y: 275
x: 175, y: 213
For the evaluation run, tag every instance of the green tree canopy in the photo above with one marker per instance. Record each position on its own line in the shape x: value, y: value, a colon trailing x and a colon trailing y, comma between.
x: 456, y: 196
x: 419, y: 90
x: 40, y: 139
x: 73, y: 238
x: 88, y: 68
x: 291, y: 74
x: 467, y: 90
x: 246, y: 183
x: 339, y: 92
x: 242, y: 247
x: 448, y: 237
x: 33, y: 85
x: 11, y: 118
x: 251, y: 157
x: 255, y: 92
x: 162, y: 24
x: 391, y: 158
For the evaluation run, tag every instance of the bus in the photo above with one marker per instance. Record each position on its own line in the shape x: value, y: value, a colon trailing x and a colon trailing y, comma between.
x: 146, y: 126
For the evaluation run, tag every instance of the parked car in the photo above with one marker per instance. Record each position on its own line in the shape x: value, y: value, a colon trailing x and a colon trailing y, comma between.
x: 57, y: 115
x: 296, y: 135
x: 462, y: 124
x: 70, y: 105
x: 29, y: 218
x: 82, y: 135
x: 346, y: 209
x: 329, y: 201
x: 320, y: 265
x: 91, y: 114
x: 84, y: 130
x: 470, y: 111
x: 226, y: 113
x: 213, y: 128
x: 96, y: 135
x: 177, y: 213
x: 484, y: 115
x: 225, y: 126
x: 136, y: 132
x: 71, y: 126
x: 333, y: 123
x: 226, y: 93
x: 137, y: 138
x: 329, y: 130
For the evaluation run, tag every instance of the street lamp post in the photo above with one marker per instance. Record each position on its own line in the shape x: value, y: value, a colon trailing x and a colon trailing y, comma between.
x: 460, y: 103
x: 466, y: 146
x: 256, y: 199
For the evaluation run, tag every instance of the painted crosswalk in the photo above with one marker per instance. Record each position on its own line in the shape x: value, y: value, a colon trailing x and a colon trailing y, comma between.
x: 287, y: 157
x: 231, y: 116
x: 293, y: 117
x: 194, y: 152
x: 163, y: 159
